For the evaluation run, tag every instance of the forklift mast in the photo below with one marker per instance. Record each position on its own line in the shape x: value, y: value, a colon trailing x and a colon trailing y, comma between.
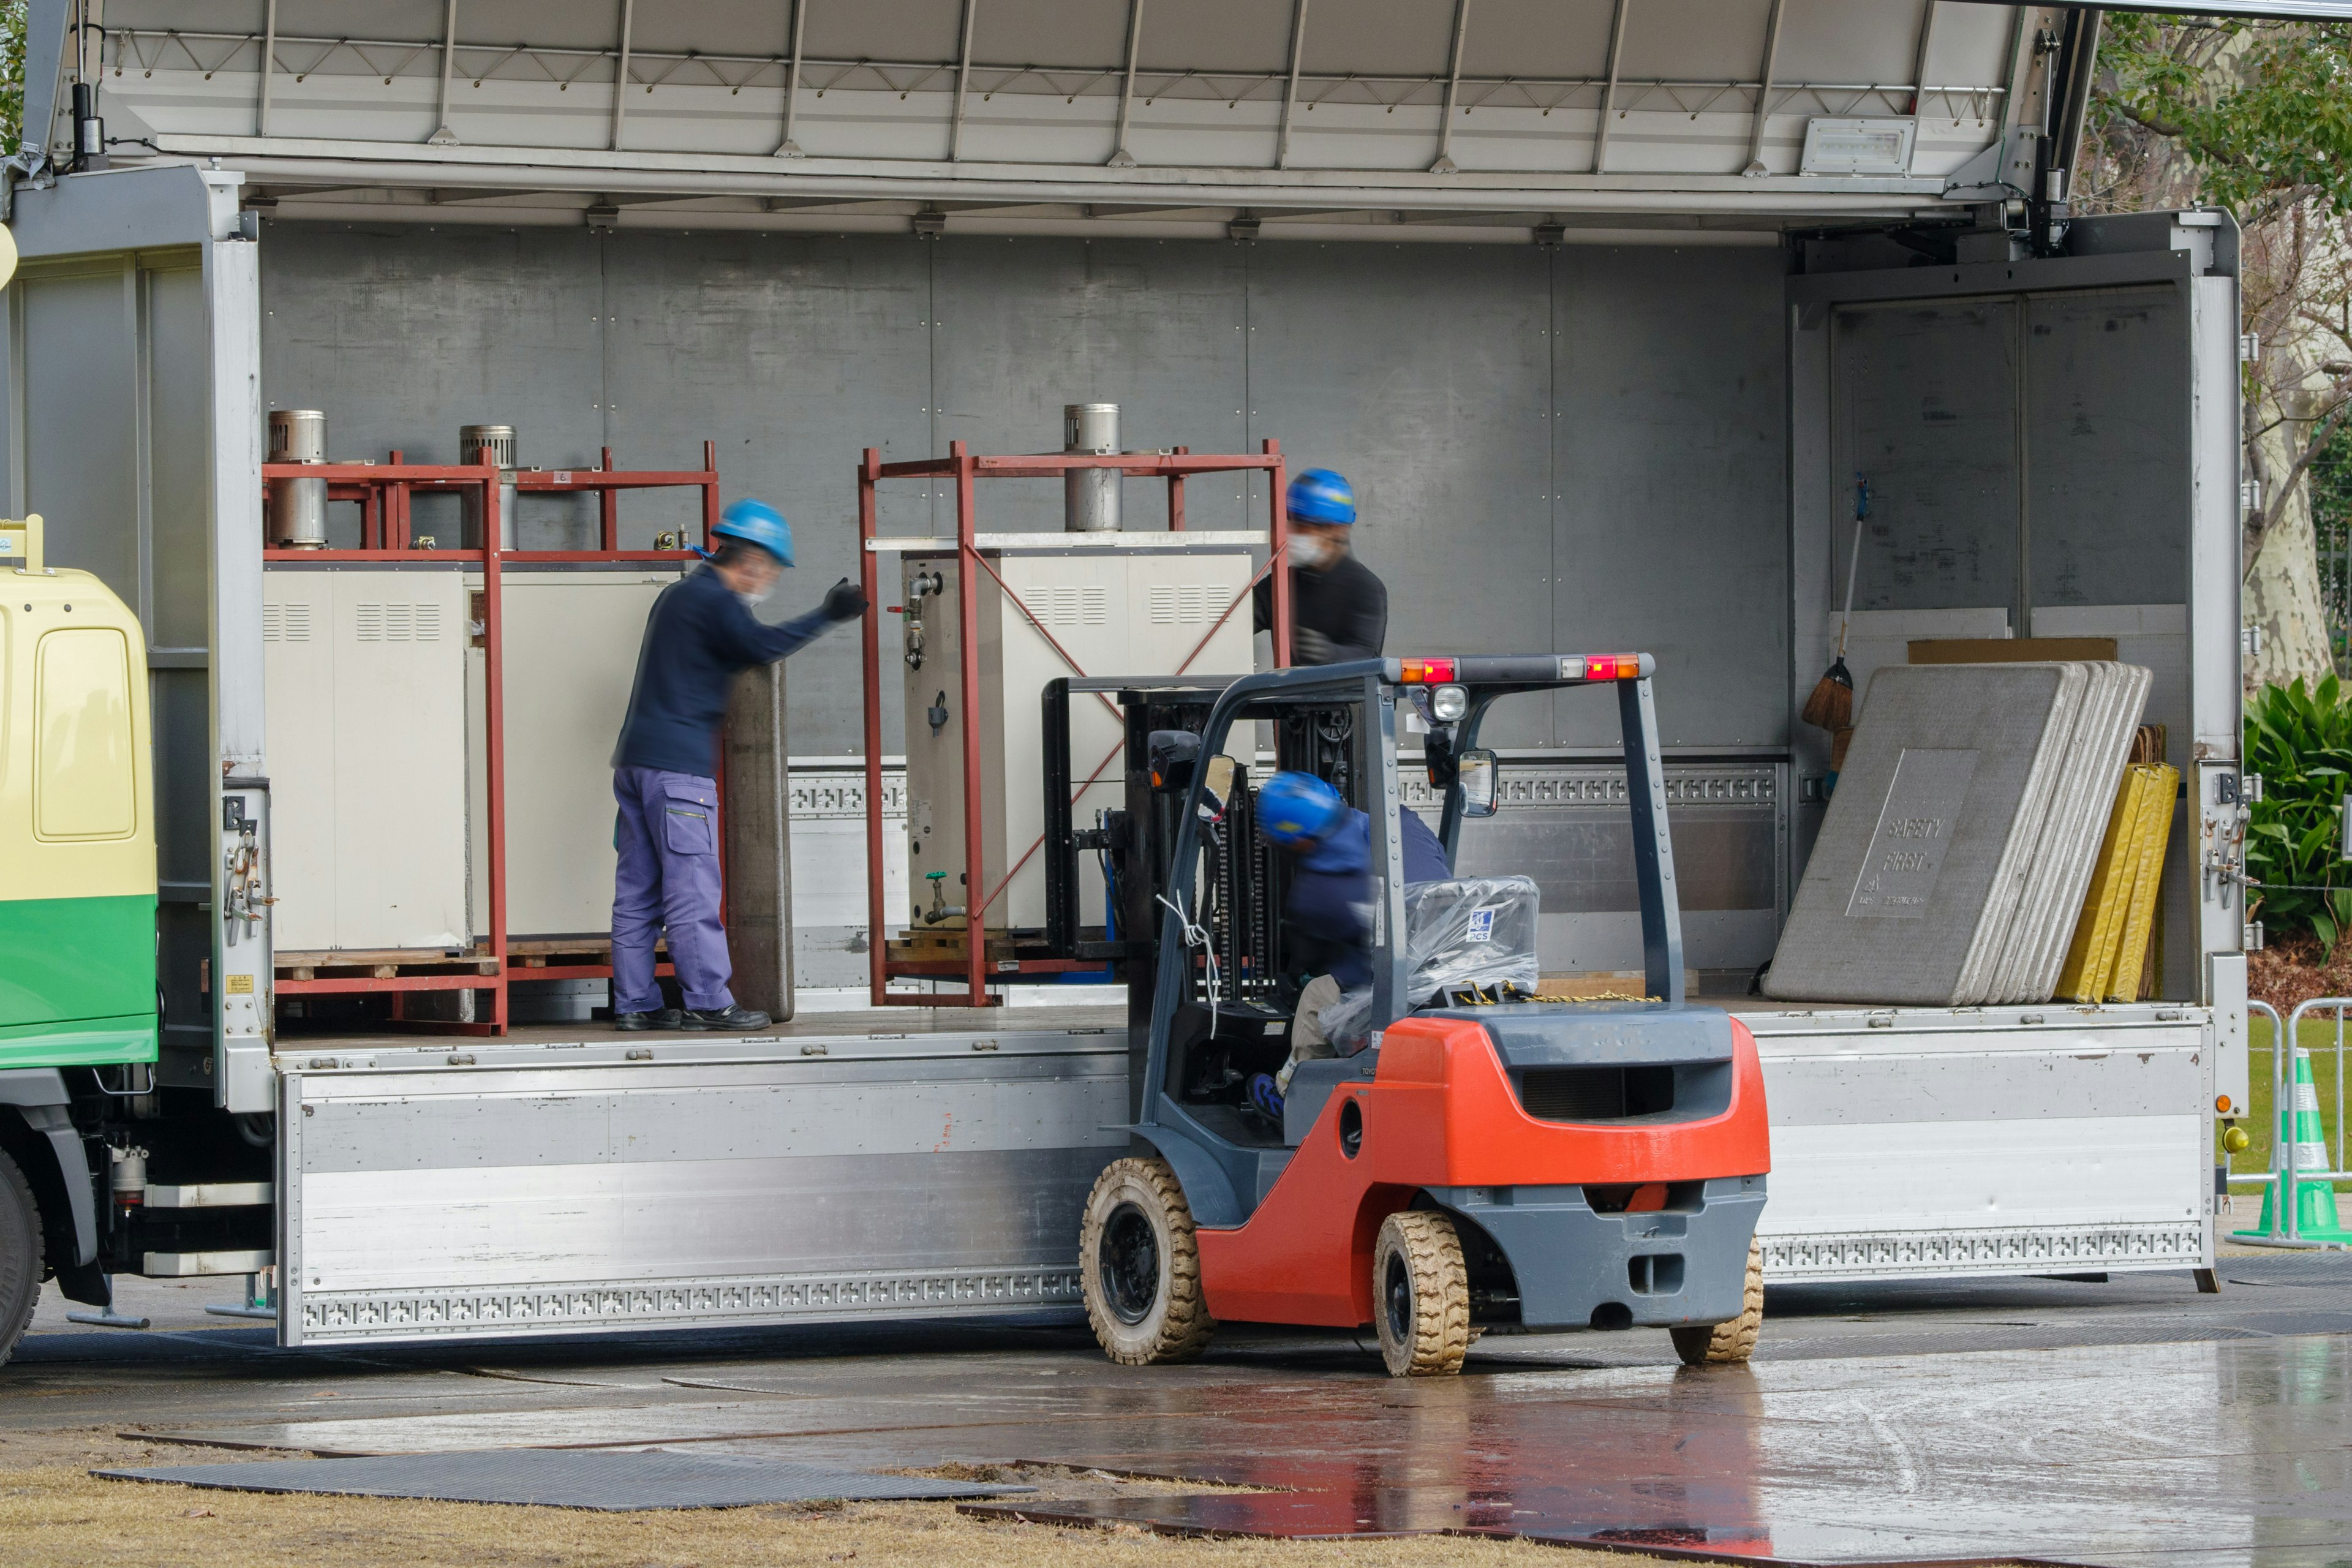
x: 1223, y: 948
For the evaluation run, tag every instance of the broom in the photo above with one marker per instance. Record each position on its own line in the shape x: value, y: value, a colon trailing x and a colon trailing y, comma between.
x: 1831, y: 707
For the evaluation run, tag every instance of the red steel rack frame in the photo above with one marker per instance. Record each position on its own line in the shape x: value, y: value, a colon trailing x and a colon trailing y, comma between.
x: 383, y: 491
x: 966, y: 469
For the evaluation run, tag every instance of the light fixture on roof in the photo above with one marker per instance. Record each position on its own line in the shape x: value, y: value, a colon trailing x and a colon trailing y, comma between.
x: 1879, y: 147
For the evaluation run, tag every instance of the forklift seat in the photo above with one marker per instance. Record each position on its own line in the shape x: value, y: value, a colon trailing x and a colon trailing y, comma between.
x: 1466, y: 933
x: 1311, y: 1083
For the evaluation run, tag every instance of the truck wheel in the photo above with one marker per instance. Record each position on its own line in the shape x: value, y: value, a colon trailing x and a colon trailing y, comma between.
x: 1421, y: 1295
x: 1704, y: 1346
x: 20, y: 1256
x: 1141, y: 1267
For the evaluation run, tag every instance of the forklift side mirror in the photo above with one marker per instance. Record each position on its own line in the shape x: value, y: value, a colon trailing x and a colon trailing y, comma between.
x: 1477, y: 775
x: 1216, y: 786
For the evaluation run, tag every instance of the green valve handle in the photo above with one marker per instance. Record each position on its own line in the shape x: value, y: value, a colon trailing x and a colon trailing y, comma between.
x: 933, y: 876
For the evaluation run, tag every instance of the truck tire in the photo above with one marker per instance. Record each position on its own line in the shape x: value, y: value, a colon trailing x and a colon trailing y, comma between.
x: 1421, y: 1295
x: 1721, y: 1344
x: 1140, y: 1267
x: 20, y: 1256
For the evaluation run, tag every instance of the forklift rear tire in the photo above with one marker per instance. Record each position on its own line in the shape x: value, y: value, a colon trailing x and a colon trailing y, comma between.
x: 1727, y: 1344
x: 20, y: 1256
x: 1141, y: 1267
x: 1421, y: 1295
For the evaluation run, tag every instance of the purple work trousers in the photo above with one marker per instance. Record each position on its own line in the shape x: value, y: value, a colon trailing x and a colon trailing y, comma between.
x: 668, y: 883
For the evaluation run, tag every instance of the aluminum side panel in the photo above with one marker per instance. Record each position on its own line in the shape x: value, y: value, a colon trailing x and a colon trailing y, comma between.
x: 1937, y: 1143
x: 851, y: 1177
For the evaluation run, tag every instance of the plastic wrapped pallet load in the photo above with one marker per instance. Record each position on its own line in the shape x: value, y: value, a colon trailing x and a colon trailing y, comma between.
x: 1954, y: 858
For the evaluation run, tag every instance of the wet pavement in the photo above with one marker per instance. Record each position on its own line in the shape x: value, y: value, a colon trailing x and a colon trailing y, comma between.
x: 2129, y: 1421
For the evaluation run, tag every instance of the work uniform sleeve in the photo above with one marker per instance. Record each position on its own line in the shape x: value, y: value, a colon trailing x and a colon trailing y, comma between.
x: 746, y: 640
x: 1261, y: 605
x: 1363, y: 627
x: 1424, y: 852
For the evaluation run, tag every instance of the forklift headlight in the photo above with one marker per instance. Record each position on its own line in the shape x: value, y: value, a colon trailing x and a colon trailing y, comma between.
x: 1448, y: 703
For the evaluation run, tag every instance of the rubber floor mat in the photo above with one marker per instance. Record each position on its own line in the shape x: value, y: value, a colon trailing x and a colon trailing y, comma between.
x: 567, y: 1477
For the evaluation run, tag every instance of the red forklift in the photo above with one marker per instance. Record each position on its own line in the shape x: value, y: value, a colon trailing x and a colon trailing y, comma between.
x: 1475, y: 1156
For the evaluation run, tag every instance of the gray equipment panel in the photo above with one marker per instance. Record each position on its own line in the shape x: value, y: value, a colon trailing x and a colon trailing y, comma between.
x: 570, y: 1187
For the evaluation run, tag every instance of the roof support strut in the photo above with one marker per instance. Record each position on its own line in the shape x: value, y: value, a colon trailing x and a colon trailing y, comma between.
x: 1120, y: 158
x: 268, y: 59
x: 963, y: 82
x: 621, y: 73
x: 1919, y: 76
x: 1609, y: 93
x: 1444, y: 164
x: 1291, y: 93
x: 443, y: 136
x: 789, y: 148
x: 1755, y: 164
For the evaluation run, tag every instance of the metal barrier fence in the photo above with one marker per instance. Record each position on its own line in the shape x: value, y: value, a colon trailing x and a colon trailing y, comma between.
x: 2294, y: 1162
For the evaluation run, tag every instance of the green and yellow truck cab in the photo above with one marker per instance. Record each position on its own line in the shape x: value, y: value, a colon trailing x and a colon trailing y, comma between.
x: 77, y: 905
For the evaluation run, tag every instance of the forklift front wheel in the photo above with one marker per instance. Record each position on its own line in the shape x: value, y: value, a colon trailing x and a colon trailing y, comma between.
x: 1421, y: 1295
x: 1141, y: 1267
x: 1717, y: 1344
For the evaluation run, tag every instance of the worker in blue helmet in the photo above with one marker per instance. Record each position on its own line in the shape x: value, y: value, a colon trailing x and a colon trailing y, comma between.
x: 1326, y: 930
x: 699, y: 635
x: 1338, y: 609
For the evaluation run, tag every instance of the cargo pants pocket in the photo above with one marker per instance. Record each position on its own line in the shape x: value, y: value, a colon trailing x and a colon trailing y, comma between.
x: 686, y: 821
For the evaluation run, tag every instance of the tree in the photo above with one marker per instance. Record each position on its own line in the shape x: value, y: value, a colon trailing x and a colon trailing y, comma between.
x: 12, y: 76
x: 2255, y: 116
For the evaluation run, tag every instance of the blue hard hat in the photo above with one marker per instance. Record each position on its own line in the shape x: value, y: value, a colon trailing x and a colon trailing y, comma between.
x: 757, y: 522
x: 1319, y: 495
x: 1297, y: 808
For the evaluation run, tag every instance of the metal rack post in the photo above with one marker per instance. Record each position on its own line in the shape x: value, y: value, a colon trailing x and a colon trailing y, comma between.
x: 965, y: 469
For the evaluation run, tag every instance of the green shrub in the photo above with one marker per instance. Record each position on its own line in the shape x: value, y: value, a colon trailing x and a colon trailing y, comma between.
x: 2300, y: 741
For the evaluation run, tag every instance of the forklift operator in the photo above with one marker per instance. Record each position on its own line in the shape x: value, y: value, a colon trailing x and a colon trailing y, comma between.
x: 1339, y: 610
x: 700, y: 637
x: 1327, y: 927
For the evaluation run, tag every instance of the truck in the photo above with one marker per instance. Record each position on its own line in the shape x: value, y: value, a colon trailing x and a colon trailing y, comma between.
x: 1605, y: 351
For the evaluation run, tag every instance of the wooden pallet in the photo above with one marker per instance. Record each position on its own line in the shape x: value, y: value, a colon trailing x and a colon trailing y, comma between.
x: 390, y: 963
x: 380, y: 964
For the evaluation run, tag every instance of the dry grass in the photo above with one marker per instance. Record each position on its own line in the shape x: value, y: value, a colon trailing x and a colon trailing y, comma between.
x: 53, y: 1515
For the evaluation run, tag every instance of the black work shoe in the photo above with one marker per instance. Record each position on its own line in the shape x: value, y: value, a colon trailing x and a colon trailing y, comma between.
x: 728, y: 1018
x: 668, y: 1018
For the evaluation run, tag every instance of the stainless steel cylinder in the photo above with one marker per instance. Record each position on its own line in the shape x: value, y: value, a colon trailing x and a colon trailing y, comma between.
x: 295, y: 510
x: 1090, y: 496
x: 298, y: 436
x: 493, y: 444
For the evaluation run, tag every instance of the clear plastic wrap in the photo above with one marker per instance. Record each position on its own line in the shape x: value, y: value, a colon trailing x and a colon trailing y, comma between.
x: 1466, y: 932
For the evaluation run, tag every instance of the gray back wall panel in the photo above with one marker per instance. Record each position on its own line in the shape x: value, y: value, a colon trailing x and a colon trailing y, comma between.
x: 1025, y: 326
x: 1670, y: 524
x: 1574, y: 448
x: 1423, y: 374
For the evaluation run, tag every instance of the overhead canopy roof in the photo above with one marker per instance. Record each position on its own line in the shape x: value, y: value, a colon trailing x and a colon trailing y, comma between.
x: 1434, y: 109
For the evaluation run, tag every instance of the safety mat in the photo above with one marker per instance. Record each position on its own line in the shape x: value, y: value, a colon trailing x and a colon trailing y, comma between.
x: 567, y: 1477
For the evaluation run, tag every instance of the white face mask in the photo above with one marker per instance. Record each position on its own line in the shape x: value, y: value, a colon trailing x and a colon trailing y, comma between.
x: 1307, y: 550
x: 753, y: 601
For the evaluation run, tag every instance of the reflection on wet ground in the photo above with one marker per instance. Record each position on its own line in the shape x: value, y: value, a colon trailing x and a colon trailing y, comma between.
x: 2126, y: 1422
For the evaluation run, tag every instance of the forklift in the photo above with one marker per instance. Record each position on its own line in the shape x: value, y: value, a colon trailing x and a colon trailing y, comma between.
x: 1476, y: 1157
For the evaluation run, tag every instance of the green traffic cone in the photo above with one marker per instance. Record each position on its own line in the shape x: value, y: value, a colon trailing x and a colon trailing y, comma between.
x: 2300, y: 1133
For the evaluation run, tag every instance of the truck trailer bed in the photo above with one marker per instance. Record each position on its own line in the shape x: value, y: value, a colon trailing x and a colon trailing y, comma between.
x: 568, y: 1178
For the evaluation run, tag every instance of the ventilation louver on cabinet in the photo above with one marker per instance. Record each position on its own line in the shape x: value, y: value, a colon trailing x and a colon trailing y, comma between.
x: 398, y: 623
x: 285, y: 623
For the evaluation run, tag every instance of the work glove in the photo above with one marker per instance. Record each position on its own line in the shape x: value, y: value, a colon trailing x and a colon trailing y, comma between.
x: 844, y: 601
x: 1309, y: 645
